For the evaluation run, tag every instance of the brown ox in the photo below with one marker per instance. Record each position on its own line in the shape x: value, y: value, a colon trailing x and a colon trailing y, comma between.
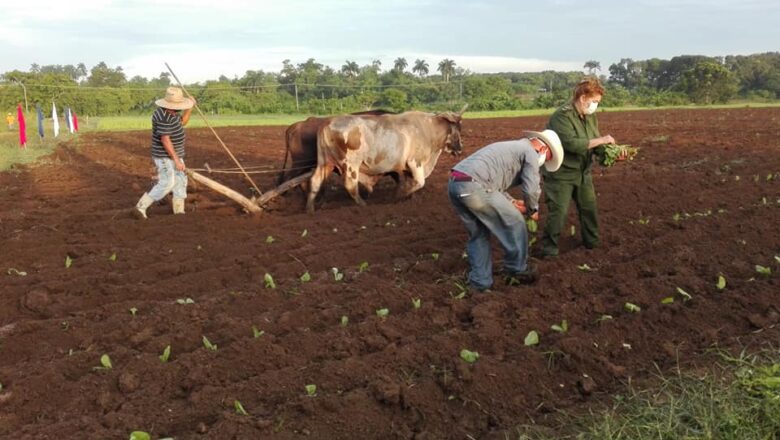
x: 301, y: 144
x: 364, y: 149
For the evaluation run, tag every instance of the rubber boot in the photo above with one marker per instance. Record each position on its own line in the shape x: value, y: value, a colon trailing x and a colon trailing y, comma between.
x: 178, y: 206
x: 140, y: 208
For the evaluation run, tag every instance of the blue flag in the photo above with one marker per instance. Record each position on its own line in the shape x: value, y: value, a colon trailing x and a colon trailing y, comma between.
x: 40, y: 120
x: 67, y: 119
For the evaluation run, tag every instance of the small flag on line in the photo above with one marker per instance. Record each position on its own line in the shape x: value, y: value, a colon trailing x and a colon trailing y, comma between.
x: 22, y: 126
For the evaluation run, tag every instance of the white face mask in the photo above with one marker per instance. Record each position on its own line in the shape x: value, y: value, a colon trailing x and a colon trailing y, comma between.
x: 542, y: 159
x: 591, y: 108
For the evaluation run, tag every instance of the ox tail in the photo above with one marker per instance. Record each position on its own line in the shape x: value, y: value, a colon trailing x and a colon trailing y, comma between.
x: 287, y: 138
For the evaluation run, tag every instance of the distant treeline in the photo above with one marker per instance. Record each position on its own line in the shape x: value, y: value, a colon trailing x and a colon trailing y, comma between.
x: 314, y: 88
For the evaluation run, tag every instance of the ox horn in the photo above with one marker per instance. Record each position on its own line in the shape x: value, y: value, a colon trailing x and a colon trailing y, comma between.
x: 465, y: 106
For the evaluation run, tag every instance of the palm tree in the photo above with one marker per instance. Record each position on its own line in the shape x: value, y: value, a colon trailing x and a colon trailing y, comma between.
x: 400, y: 64
x: 350, y: 68
x: 376, y: 65
x: 420, y: 67
x: 447, y: 68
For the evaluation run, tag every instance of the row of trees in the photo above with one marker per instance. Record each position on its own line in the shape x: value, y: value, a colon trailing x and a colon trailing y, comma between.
x: 314, y: 88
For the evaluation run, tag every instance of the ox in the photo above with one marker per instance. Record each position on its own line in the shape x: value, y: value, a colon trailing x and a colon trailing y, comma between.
x: 301, y: 144
x: 364, y: 149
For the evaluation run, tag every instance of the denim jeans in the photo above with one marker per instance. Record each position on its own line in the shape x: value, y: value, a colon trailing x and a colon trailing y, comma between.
x: 168, y: 179
x: 485, y: 212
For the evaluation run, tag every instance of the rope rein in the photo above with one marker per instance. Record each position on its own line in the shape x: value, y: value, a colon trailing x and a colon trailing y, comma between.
x: 257, y: 168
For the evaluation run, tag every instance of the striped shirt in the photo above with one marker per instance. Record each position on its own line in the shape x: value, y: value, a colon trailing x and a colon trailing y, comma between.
x: 164, y: 123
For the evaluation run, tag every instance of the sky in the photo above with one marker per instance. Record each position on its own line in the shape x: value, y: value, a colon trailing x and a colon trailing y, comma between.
x: 203, y: 39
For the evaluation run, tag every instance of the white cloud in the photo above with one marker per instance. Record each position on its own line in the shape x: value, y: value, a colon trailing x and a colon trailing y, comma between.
x: 194, y: 65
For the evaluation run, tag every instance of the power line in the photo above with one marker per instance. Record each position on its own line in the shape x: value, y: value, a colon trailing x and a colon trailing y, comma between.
x: 253, y: 87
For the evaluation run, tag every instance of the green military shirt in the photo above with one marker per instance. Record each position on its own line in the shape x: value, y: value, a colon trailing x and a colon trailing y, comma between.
x: 575, y: 133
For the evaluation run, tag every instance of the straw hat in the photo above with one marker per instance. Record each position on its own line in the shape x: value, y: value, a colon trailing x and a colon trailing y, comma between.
x: 552, y: 140
x: 174, y: 100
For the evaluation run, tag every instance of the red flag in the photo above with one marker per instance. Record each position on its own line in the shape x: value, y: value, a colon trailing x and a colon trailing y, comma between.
x: 22, y: 127
x: 75, y: 122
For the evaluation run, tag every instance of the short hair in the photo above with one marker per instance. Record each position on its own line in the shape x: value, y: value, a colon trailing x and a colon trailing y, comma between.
x: 588, y: 87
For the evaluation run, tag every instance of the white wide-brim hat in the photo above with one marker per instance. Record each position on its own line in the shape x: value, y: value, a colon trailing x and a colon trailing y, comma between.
x: 174, y: 100
x: 552, y: 140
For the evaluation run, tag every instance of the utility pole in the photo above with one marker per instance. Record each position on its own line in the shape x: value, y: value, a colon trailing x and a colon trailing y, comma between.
x: 297, y: 107
x: 26, y: 107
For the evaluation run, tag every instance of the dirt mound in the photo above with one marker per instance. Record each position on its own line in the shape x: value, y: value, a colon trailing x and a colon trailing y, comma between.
x: 701, y: 200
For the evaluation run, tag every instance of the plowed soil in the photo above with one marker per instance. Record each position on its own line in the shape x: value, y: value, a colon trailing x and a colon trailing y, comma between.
x: 702, y: 199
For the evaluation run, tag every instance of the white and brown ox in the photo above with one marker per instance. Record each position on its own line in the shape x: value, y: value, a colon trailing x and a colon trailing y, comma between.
x: 363, y: 150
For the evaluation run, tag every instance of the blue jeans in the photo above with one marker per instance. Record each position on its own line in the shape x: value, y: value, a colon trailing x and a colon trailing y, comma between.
x: 485, y: 212
x: 168, y: 179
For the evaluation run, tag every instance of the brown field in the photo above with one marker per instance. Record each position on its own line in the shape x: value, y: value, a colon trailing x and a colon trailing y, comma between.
x: 397, y: 377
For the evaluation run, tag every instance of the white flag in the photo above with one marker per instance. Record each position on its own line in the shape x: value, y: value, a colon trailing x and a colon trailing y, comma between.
x: 54, y: 118
x: 70, y: 120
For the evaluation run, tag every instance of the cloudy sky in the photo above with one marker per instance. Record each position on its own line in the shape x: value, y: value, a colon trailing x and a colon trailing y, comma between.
x: 203, y: 39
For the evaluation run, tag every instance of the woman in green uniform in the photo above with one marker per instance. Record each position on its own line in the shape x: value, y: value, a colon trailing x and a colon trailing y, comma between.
x: 578, y: 129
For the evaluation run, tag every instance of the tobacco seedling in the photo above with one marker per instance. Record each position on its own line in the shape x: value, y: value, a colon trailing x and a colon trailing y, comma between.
x: 306, y: 277
x: 777, y: 258
x: 763, y: 270
x: 208, y: 344
x: 721, y: 282
x: 12, y: 271
x: 112, y: 257
x: 573, y: 231
x: 362, y: 267
x: 269, y: 281
x: 185, y: 301
x: 462, y: 289
x: 563, y: 327
x: 686, y: 296
x: 338, y: 276
x: 416, y: 303
x: 105, y: 361
x: 166, y: 354
x: 68, y: 261
x: 382, y: 313
x: 435, y: 256
x: 676, y: 217
x: 604, y: 318
x: 304, y: 233
x: 270, y: 239
x: 612, y: 151
x: 469, y: 356
x: 344, y: 320
x: 532, y: 225
x: 532, y: 338
x: 585, y: 268
x: 239, y: 408
x: 668, y: 300
x: 633, y: 308
x: 311, y: 390
x: 257, y: 333
x: 140, y: 435
x: 133, y: 311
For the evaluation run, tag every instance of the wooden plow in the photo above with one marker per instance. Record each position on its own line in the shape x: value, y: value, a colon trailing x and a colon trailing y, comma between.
x: 255, y: 204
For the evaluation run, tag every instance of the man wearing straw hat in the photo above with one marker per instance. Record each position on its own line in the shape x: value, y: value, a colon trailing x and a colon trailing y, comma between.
x: 168, y: 122
x: 478, y: 190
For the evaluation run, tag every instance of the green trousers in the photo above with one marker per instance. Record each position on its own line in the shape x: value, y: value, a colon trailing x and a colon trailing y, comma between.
x: 557, y: 195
